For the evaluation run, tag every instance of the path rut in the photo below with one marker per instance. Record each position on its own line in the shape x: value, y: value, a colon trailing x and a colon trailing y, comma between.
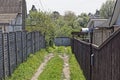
x: 42, y: 66
x: 66, y: 69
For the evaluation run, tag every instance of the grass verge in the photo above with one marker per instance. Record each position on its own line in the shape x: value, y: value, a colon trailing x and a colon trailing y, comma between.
x: 26, y: 70
x: 53, y: 70
x: 76, y: 72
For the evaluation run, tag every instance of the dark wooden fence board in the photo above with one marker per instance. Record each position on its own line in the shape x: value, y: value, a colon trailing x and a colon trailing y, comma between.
x: 103, y: 63
x: 19, y: 47
x: 6, y: 57
x: 29, y: 43
x: 116, y: 58
x: 36, y: 41
x: 33, y: 42
x: 12, y: 52
x: 1, y: 57
x: 82, y: 53
x: 24, y: 45
x: 15, y: 48
x: 106, y: 60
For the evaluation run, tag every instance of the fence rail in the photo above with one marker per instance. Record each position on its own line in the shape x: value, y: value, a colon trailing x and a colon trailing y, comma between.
x: 99, y: 63
x: 15, y: 48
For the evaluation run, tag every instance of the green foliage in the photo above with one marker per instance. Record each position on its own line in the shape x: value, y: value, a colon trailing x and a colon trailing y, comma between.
x: 55, y: 25
x: 60, y: 49
x: 26, y: 70
x: 68, y: 51
x: 53, y: 70
x: 107, y: 9
x: 76, y: 72
x: 41, y: 21
x: 50, y: 50
x: 83, y: 19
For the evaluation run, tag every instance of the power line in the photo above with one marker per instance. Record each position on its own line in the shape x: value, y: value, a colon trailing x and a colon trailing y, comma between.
x: 41, y: 4
x: 45, y: 7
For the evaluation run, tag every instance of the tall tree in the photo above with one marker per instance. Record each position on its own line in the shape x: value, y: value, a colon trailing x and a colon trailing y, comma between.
x: 83, y: 19
x: 70, y: 17
x: 107, y: 9
x: 41, y: 21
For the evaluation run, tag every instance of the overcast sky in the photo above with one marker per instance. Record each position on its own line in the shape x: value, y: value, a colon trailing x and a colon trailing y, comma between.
x: 77, y: 6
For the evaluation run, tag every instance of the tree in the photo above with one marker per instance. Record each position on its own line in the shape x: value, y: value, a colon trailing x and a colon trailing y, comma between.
x: 107, y: 9
x: 69, y: 18
x: 55, y: 25
x: 83, y: 19
x: 55, y: 15
x: 41, y: 21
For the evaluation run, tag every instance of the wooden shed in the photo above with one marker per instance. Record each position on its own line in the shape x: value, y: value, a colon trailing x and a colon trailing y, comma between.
x: 111, y: 25
x: 12, y: 15
x: 100, y: 32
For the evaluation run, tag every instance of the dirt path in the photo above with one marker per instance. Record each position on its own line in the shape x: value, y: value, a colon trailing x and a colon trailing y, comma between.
x: 66, y: 70
x: 42, y: 66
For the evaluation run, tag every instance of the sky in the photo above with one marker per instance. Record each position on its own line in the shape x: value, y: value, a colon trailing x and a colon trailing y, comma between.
x: 76, y: 6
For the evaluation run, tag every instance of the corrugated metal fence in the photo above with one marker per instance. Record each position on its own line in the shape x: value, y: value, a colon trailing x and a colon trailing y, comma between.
x: 62, y: 41
x: 15, y: 48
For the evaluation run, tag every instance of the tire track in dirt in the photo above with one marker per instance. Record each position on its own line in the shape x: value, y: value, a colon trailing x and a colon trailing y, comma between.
x: 42, y: 66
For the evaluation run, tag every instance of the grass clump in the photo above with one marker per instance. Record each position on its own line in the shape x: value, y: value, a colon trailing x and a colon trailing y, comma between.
x: 50, y: 50
x: 26, y: 70
x: 53, y: 70
x: 60, y: 49
x: 76, y: 72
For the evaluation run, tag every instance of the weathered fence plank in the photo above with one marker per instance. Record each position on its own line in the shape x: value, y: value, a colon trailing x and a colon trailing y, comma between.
x: 12, y: 52
x: 24, y: 45
x: 82, y: 53
x: 19, y: 47
x: 15, y: 48
x: 1, y: 56
x: 105, y: 61
x: 29, y: 43
x: 6, y: 54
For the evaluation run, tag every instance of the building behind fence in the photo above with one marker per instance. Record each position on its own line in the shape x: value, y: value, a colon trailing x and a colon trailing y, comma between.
x: 15, y: 48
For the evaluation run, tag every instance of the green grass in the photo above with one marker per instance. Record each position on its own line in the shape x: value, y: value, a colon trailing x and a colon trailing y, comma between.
x: 53, y: 70
x: 76, y: 72
x: 26, y: 70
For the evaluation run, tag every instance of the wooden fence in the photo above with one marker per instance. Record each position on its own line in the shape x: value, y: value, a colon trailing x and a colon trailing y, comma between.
x: 82, y: 53
x: 99, y: 63
x: 15, y: 48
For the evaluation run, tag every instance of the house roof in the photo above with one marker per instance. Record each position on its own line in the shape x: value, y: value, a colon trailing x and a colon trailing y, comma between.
x: 96, y: 22
x: 115, y: 14
x: 6, y: 18
x: 10, y: 6
x: 112, y: 20
x: 9, y: 9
